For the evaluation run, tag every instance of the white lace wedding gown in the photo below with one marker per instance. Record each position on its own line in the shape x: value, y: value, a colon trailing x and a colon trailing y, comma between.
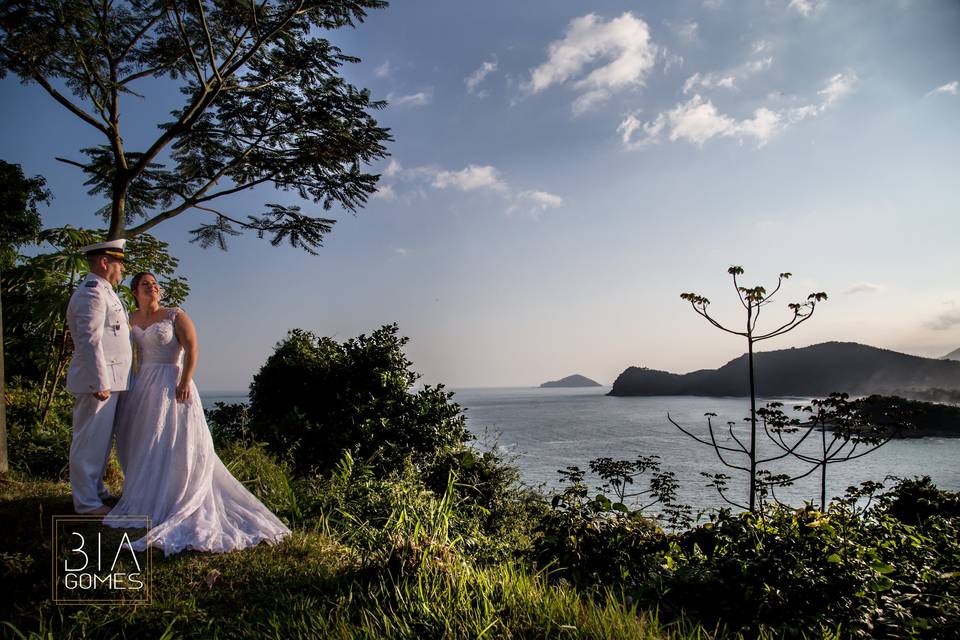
x: 171, y: 472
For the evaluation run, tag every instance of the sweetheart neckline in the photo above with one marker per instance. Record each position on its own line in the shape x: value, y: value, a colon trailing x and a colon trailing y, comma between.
x: 150, y: 326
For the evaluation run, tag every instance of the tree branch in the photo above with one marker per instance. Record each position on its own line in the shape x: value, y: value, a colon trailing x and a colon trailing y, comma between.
x: 186, y: 42
x: 797, y: 320
x: 206, y: 32
x: 193, y: 200
x: 138, y: 35
x: 77, y: 111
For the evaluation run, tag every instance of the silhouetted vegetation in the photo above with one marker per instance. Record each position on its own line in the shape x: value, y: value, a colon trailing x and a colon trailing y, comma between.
x: 753, y: 300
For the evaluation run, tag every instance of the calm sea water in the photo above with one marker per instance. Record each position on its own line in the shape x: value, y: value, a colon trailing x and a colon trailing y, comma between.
x: 550, y: 429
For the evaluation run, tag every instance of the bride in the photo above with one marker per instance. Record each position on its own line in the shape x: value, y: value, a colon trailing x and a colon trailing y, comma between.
x: 172, y: 473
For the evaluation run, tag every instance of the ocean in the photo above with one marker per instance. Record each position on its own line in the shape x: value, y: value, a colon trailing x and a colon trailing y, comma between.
x: 545, y: 430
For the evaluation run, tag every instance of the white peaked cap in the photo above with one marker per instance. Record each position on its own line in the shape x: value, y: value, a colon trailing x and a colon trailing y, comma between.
x: 110, y: 247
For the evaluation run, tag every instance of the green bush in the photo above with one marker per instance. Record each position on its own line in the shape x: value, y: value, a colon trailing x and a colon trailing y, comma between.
x: 229, y: 423
x: 915, y: 501
x: 593, y: 541
x: 262, y: 475
x: 869, y: 574
x: 490, y: 496
x: 316, y: 398
x: 39, y: 436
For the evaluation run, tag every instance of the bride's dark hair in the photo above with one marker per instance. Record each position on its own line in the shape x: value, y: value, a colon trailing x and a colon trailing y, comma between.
x: 136, y: 283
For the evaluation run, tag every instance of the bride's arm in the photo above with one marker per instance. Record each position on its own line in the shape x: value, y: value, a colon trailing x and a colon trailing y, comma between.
x: 187, y: 336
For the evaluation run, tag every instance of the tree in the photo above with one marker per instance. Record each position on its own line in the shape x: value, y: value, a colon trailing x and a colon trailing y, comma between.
x: 753, y: 299
x: 316, y: 398
x: 855, y: 429
x: 19, y: 224
x: 263, y: 104
x: 851, y: 425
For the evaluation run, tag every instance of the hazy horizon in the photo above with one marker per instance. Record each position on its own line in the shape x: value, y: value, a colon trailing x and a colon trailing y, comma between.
x: 561, y: 174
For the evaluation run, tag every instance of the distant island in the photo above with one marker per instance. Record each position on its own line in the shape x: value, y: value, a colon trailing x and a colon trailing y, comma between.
x: 575, y: 380
x: 813, y: 371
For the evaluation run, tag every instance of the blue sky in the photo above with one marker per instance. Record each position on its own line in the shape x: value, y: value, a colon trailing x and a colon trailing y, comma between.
x: 562, y: 171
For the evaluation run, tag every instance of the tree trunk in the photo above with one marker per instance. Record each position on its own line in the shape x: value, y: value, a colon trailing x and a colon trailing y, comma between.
x: 46, y: 368
x: 4, y: 461
x: 753, y: 418
x: 118, y: 214
x: 823, y: 467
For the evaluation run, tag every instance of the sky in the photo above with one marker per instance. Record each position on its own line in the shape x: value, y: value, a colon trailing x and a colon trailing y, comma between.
x: 562, y: 171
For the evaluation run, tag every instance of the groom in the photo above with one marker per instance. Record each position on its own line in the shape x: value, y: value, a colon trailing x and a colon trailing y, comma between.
x: 98, y: 371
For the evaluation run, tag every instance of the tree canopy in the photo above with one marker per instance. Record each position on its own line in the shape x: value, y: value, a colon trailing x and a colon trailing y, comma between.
x: 263, y: 104
x: 316, y: 398
x: 19, y: 217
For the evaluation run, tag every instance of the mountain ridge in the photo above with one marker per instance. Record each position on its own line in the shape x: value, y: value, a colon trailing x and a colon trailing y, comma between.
x: 953, y: 355
x: 815, y: 370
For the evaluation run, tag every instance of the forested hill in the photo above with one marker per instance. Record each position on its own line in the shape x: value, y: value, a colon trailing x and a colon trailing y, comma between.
x: 576, y: 380
x: 816, y: 370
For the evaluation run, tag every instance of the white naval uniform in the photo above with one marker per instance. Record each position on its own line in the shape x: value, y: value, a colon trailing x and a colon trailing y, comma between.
x: 102, y: 357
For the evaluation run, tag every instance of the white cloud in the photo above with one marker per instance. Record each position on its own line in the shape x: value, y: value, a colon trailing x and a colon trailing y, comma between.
x: 631, y: 124
x: 698, y: 120
x: 756, y: 66
x: 385, y: 192
x: 401, y: 251
x: 712, y: 4
x: 469, y: 179
x: 807, y: 8
x: 393, y: 168
x: 419, y: 99
x: 628, y: 126
x: 542, y: 199
x: 384, y: 70
x: 623, y: 43
x: 864, y: 287
x: 726, y: 79
x: 709, y: 81
x: 762, y: 126
x: 474, y: 79
x: 589, y: 100
x: 534, y: 203
x: 671, y: 60
x: 946, y: 320
x: 837, y: 87
x: 950, y: 87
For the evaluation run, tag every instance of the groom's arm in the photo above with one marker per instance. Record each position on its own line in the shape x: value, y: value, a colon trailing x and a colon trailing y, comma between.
x: 89, y: 318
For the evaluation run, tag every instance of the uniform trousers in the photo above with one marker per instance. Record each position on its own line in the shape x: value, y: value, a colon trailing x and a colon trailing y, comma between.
x: 90, y: 448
